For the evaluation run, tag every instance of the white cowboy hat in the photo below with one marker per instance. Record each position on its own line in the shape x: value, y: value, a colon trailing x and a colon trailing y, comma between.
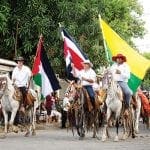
x: 87, y: 62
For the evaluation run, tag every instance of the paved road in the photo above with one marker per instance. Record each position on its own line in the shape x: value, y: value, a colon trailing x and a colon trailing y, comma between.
x: 60, y: 139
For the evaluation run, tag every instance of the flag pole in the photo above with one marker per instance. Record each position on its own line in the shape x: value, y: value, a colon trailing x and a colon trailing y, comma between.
x: 105, y: 47
x: 62, y: 34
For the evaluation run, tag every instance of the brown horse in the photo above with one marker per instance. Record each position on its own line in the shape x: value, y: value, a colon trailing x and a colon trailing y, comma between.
x: 82, y: 115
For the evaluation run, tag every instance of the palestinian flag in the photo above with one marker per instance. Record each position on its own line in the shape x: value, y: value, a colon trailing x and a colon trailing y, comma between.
x: 72, y: 54
x: 114, y: 44
x: 43, y: 74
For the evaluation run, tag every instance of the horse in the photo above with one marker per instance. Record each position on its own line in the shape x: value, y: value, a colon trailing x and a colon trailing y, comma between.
x: 145, y: 107
x: 81, y: 114
x: 114, y: 103
x: 10, y: 97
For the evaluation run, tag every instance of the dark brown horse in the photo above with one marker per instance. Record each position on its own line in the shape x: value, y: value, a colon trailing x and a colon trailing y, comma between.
x: 81, y: 114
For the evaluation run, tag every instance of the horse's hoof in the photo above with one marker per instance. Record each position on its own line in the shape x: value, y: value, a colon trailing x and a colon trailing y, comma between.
x: 116, y: 139
x: 15, y: 131
x: 27, y: 134
x: 3, y: 136
x: 103, y: 138
x: 137, y: 131
x: 134, y: 136
x: 33, y: 133
x: 124, y: 137
x: 81, y: 138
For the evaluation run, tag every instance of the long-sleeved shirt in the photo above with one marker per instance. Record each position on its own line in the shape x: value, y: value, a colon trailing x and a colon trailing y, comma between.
x: 88, y: 74
x: 124, y: 69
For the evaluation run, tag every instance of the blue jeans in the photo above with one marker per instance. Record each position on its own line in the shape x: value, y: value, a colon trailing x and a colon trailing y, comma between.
x: 91, y: 92
x: 126, y: 91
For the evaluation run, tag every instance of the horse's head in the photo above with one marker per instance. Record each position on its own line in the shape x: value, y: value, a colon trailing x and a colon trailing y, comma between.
x: 3, y: 84
x: 107, y: 79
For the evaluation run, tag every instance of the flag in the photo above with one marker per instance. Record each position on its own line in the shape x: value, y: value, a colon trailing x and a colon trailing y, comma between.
x: 72, y: 54
x: 114, y: 44
x: 43, y: 74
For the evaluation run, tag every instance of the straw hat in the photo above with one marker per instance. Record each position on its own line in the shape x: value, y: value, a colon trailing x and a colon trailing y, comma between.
x: 114, y: 58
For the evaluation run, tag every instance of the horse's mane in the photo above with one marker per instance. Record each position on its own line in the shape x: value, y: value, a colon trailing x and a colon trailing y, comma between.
x: 114, y: 89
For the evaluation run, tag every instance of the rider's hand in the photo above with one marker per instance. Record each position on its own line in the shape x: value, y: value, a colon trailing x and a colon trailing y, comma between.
x: 118, y: 71
x: 83, y: 78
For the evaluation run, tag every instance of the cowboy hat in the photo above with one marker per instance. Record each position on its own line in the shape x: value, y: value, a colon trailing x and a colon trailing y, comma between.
x: 19, y: 58
x: 114, y: 58
x: 87, y: 62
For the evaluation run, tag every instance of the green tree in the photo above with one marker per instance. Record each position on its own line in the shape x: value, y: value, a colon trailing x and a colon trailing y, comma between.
x: 79, y: 17
x: 146, y: 81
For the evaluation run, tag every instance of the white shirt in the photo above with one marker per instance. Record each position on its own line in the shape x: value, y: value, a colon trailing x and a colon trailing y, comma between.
x: 88, y: 74
x: 21, y: 76
x: 66, y: 103
x: 124, y: 69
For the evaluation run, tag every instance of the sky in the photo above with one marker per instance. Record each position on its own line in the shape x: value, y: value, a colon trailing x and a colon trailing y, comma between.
x: 144, y: 44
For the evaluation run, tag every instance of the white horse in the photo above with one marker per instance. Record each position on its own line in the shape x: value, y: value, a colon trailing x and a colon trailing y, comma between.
x: 10, y: 98
x: 114, y: 105
x: 9, y: 104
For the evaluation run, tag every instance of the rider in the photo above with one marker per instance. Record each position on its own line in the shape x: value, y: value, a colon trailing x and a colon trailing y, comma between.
x: 21, y: 76
x: 121, y: 74
x: 88, y: 77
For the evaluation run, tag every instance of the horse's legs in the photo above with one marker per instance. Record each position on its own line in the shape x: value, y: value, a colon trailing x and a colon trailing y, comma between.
x: 105, y: 129
x: 117, y: 117
x: 148, y: 122
x: 28, y: 128
x: 6, y: 125
x: 6, y: 122
x: 117, y: 130
x: 132, y: 122
x: 124, y: 128
x: 137, y: 117
x: 96, y: 123
x: 13, y: 114
x: 33, y: 122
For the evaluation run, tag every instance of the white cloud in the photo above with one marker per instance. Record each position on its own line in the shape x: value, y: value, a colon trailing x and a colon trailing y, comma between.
x: 144, y: 44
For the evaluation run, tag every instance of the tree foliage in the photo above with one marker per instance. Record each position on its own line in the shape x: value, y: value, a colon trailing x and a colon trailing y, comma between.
x: 146, y: 81
x: 79, y: 17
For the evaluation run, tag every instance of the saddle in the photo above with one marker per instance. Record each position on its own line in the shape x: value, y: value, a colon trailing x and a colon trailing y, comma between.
x: 17, y: 94
x: 29, y: 98
x: 99, y: 99
x: 29, y: 101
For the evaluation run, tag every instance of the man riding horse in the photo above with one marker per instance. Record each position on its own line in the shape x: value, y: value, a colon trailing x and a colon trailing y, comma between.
x: 21, y: 76
x: 121, y: 74
x: 87, y: 76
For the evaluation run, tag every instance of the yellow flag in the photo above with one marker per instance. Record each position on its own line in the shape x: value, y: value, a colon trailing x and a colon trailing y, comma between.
x: 114, y: 44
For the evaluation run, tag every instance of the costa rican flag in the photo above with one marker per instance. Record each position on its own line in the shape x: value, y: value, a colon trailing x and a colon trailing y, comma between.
x: 72, y: 54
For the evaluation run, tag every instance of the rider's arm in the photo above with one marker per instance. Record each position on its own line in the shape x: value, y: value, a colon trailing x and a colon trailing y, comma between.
x: 125, y: 72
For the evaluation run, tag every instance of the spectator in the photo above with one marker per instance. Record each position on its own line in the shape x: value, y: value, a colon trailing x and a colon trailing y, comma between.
x: 66, y: 105
x: 48, y: 106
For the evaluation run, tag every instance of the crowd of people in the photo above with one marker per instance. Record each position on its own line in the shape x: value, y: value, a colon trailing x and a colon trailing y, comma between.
x: 21, y: 77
